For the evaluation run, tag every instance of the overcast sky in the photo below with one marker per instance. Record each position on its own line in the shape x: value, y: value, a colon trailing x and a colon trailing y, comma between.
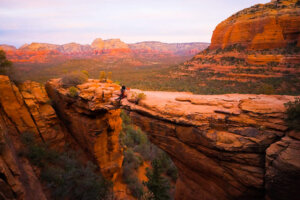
x: 64, y: 21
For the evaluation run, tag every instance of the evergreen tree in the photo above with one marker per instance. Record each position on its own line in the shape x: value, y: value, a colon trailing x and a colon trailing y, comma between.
x: 157, y: 184
x: 4, y: 63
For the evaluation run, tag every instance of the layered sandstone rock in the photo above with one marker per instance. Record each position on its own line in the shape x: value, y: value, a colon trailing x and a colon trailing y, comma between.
x: 18, y: 179
x: 219, y: 143
x: 263, y: 26
x: 256, y: 49
x: 40, y: 107
x: 92, y: 121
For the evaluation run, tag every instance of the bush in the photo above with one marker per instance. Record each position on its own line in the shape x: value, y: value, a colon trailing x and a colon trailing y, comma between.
x: 85, y: 73
x: 73, y: 79
x: 102, y: 76
x: 131, y: 159
x: 130, y: 164
x: 73, y: 91
x: 4, y: 63
x: 293, y: 114
x: 137, y: 97
x: 109, y: 75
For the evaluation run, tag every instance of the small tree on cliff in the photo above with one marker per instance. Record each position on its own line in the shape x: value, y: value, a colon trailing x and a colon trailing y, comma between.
x: 157, y: 184
x: 102, y: 76
x: 4, y: 63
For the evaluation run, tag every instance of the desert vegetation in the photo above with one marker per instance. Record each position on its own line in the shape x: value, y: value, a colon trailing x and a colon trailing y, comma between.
x: 5, y: 64
x: 161, y: 174
x: 293, y: 114
x: 73, y: 79
x: 63, y: 173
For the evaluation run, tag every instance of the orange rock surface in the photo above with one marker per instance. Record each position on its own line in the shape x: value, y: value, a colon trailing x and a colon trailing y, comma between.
x: 263, y: 26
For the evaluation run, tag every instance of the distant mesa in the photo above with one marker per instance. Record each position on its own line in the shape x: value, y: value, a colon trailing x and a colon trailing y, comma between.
x: 45, y: 52
x: 5, y: 47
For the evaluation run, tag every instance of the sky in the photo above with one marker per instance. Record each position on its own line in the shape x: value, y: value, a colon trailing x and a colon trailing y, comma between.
x: 81, y: 21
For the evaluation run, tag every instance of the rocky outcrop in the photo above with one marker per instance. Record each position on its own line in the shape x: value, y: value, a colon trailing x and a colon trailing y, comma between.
x: 92, y: 121
x: 224, y: 146
x: 263, y: 26
x: 100, y: 44
x: 254, y: 51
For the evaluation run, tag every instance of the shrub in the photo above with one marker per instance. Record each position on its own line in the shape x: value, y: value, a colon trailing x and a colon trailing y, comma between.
x: 130, y: 164
x: 131, y: 159
x: 4, y: 63
x: 137, y: 97
x: 293, y: 114
x: 266, y: 89
x: 73, y: 79
x: 109, y: 75
x: 102, y: 76
x: 85, y: 73
x: 73, y: 91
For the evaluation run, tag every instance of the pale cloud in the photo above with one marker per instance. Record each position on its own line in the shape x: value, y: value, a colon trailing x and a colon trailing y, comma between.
x: 62, y: 21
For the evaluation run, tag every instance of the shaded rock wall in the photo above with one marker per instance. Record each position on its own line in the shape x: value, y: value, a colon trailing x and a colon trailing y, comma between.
x: 18, y: 179
x: 221, y: 143
x: 92, y: 121
x: 88, y: 124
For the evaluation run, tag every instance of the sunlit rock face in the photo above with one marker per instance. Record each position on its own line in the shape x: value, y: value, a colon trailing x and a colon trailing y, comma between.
x: 259, y: 44
x: 263, y: 26
x: 224, y: 146
x: 92, y: 120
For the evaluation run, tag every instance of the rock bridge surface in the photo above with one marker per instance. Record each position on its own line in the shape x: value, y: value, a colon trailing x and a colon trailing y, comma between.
x: 224, y: 146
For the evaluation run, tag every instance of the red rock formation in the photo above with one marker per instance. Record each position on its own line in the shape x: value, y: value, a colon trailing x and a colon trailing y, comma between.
x: 18, y: 179
x: 94, y: 124
x: 92, y: 121
x: 263, y: 26
x: 219, y: 143
x: 253, y: 45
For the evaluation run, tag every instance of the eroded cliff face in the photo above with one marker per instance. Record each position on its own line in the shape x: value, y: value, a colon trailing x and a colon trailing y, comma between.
x: 88, y: 123
x: 263, y: 26
x: 18, y: 178
x: 224, y: 146
x: 92, y: 120
x: 254, y: 51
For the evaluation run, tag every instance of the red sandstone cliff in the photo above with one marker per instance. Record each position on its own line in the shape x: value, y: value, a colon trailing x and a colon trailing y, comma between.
x: 92, y: 120
x: 258, y: 47
x: 263, y: 26
x: 224, y: 146
x: 93, y: 129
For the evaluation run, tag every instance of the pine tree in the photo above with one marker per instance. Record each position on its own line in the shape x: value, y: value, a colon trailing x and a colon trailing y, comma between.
x: 4, y: 63
x: 157, y: 184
